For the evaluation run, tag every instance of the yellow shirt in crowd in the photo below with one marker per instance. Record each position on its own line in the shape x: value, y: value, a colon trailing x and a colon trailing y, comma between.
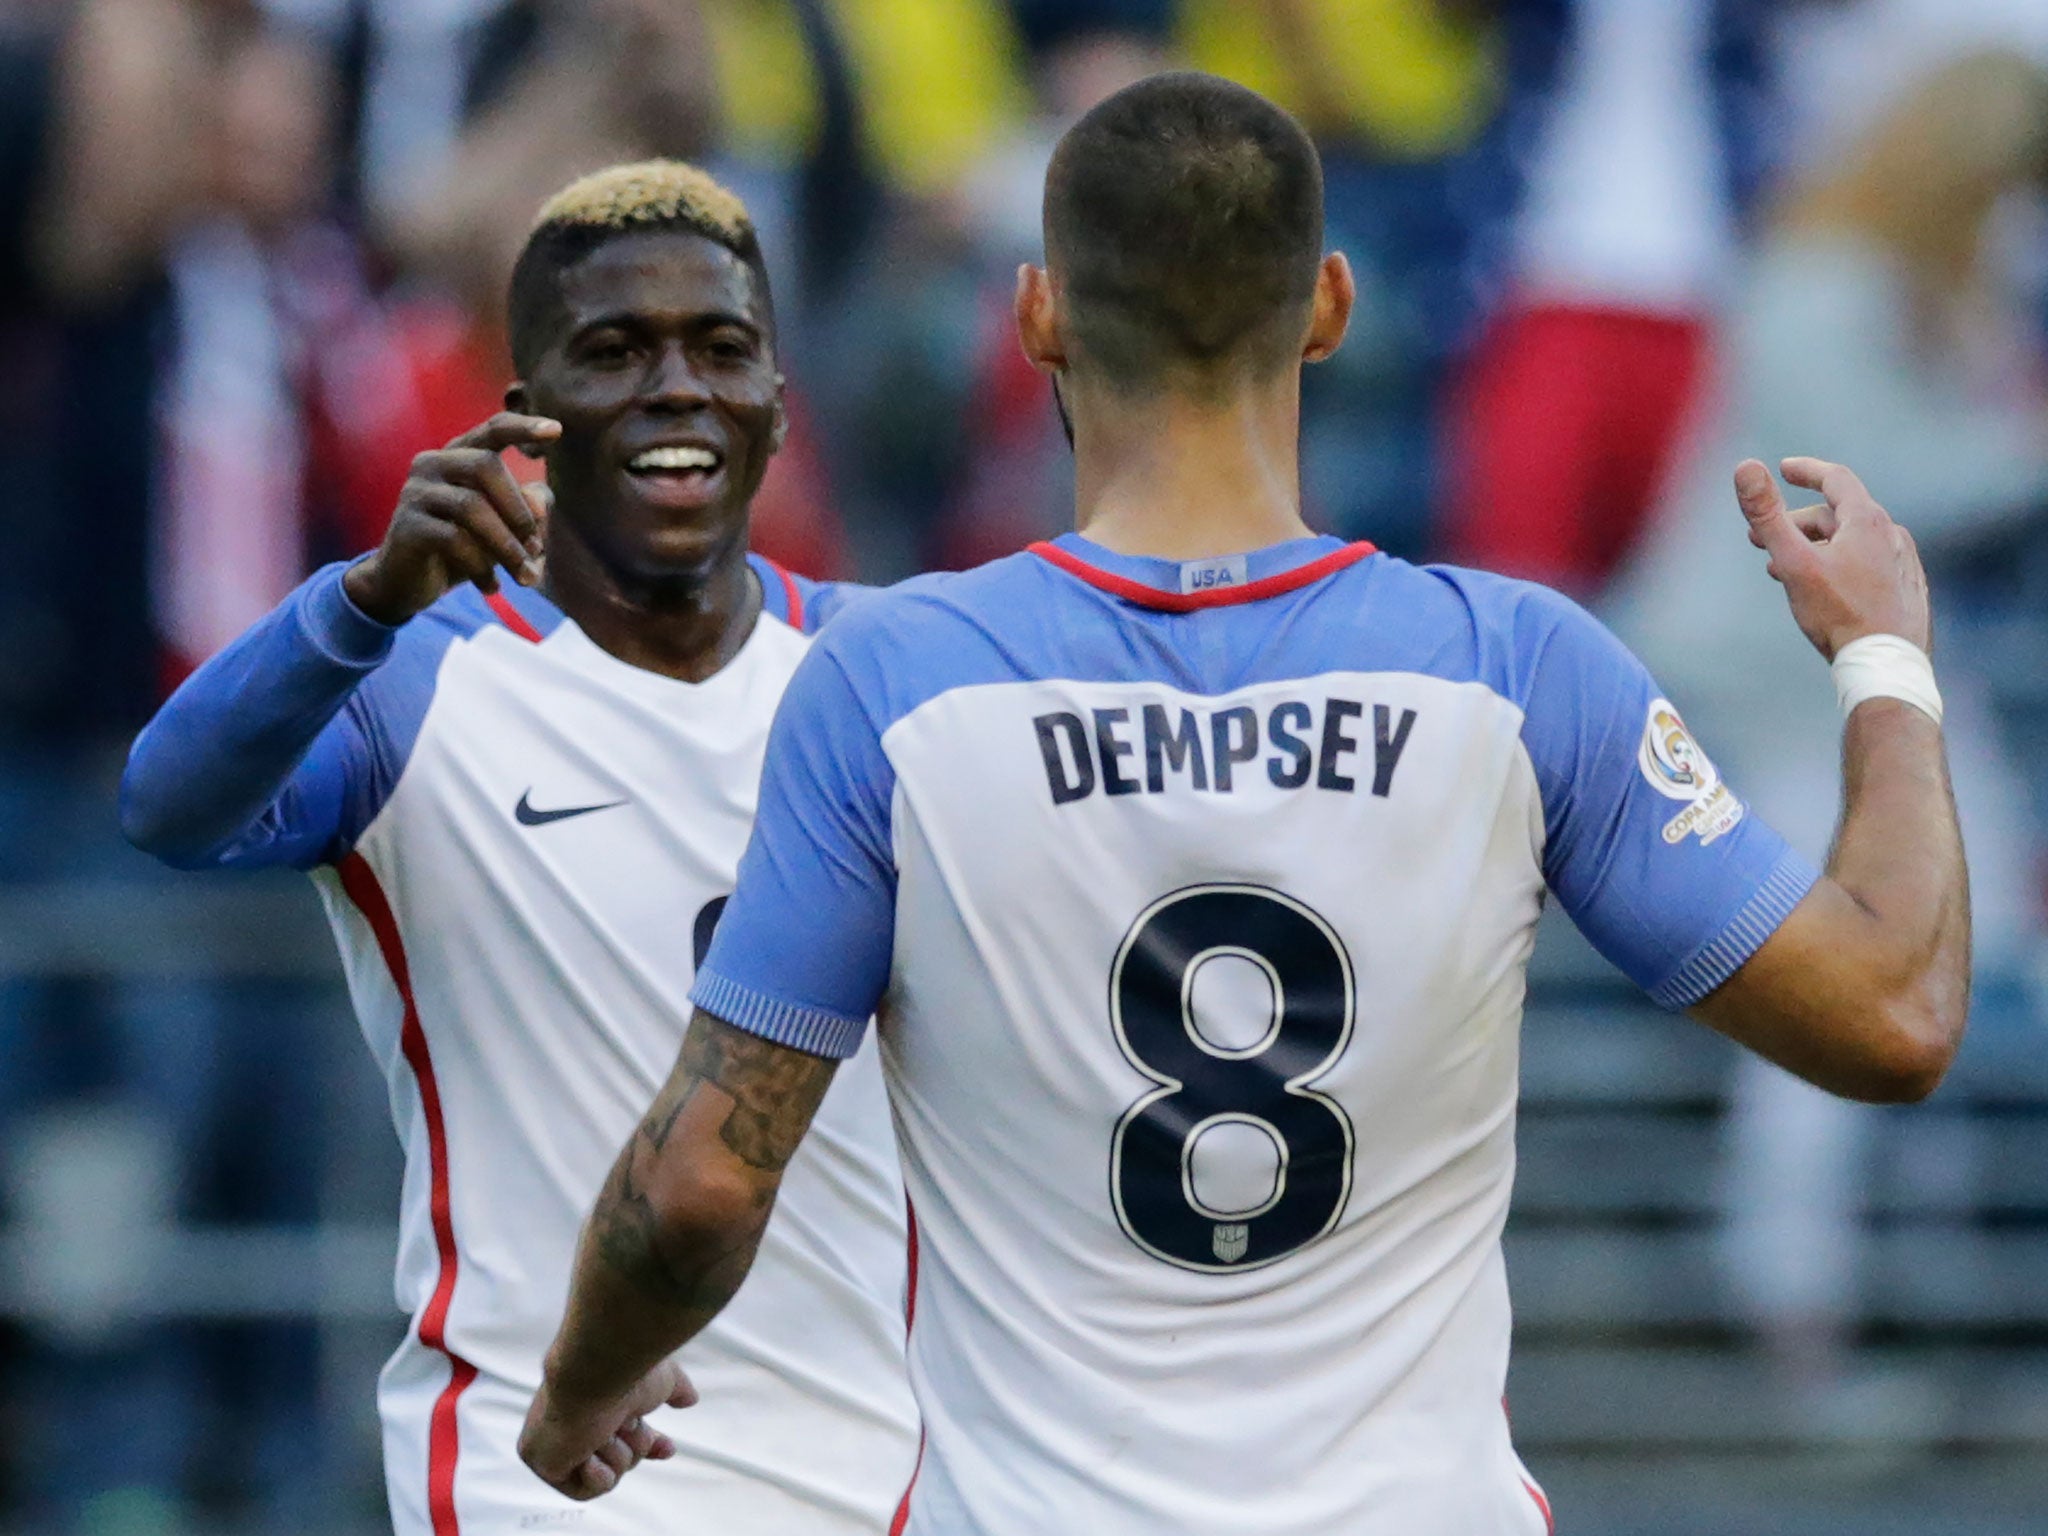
x: 941, y: 82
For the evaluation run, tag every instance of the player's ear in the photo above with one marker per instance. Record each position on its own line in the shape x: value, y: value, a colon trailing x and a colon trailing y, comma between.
x: 778, y: 434
x: 517, y: 400
x: 1038, y: 320
x: 1336, y: 294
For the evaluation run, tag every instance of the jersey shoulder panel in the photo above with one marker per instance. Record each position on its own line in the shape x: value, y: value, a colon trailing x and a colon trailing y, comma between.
x: 389, y: 708
x: 900, y: 646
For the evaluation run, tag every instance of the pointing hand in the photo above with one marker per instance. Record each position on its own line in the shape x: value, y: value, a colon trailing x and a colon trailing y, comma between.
x: 461, y: 517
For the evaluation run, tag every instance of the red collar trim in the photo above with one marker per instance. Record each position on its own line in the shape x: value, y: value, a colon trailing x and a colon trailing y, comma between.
x: 1218, y: 597
x: 792, y: 595
x: 512, y: 618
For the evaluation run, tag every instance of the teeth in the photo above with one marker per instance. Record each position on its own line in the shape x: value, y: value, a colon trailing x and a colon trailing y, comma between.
x: 676, y: 458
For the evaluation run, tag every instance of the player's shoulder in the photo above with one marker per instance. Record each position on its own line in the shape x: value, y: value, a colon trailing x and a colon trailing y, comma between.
x: 1514, y: 629
x: 899, y: 646
x: 927, y: 607
x: 401, y: 689
x: 1489, y: 601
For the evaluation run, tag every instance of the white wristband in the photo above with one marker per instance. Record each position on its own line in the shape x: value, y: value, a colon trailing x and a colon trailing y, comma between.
x: 1886, y: 667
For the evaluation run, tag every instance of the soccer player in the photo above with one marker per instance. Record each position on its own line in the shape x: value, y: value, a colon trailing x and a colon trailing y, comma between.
x: 524, y: 807
x: 1190, y: 865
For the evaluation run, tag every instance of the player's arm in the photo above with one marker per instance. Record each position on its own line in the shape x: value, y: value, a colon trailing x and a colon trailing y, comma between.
x: 1864, y: 988
x: 672, y: 1236
x: 800, y: 959
x: 248, y: 761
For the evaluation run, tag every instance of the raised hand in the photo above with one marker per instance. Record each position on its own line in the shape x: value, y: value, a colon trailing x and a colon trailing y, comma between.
x: 1847, y: 568
x: 584, y: 1451
x: 461, y: 517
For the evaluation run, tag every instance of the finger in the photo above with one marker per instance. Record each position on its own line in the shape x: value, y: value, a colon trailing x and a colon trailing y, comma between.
x: 483, y: 523
x: 1837, y: 482
x: 486, y: 472
x: 509, y: 429
x: 639, y: 1437
x: 1817, y: 522
x: 684, y: 1393
x: 469, y: 510
x: 464, y: 559
x: 617, y: 1455
x: 590, y: 1480
x: 663, y: 1449
x: 1770, y: 528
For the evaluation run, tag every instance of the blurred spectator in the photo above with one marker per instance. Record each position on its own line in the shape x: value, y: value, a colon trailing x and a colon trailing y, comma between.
x: 1571, y: 408
x: 1015, y: 476
x: 1403, y: 97
x: 1869, y: 329
x: 892, y: 349
x: 136, y: 125
x: 257, y: 284
x: 1845, y: 63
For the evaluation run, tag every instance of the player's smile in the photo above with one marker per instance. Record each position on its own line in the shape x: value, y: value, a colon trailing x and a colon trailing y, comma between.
x: 686, y: 474
x: 663, y: 376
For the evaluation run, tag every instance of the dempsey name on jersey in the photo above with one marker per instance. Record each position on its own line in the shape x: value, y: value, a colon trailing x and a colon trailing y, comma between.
x: 1303, y: 743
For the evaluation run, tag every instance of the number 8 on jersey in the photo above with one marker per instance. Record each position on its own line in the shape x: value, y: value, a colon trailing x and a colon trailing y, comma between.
x: 1205, y: 1085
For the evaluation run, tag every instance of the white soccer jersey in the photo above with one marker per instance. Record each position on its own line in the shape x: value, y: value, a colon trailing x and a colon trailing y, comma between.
x: 1194, y: 904
x: 523, y: 844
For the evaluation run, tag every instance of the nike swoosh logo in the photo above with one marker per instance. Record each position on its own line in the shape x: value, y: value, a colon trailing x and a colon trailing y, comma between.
x: 527, y: 816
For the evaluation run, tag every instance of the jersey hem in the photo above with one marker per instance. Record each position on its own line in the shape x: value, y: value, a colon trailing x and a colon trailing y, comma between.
x: 816, y: 1030
x: 1721, y: 957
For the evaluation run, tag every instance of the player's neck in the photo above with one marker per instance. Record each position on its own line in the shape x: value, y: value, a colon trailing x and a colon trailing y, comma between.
x: 688, y: 629
x: 1183, y: 479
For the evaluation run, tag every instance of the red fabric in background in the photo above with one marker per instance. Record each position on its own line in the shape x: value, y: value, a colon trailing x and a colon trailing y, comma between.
x: 1562, y: 430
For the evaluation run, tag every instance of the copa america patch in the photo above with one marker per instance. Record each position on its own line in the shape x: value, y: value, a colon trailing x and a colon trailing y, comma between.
x: 1677, y: 769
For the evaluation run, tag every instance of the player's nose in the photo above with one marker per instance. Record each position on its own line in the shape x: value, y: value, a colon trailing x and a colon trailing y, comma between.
x: 673, y: 382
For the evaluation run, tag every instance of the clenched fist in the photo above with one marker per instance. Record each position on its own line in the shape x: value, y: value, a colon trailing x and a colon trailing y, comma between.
x: 1847, y: 568
x: 461, y: 517
x: 583, y: 1450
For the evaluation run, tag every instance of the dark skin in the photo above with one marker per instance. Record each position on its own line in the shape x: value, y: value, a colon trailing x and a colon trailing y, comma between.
x: 662, y: 339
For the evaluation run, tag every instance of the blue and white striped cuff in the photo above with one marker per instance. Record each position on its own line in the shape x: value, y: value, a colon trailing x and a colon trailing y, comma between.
x: 816, y: 1030
x: 1718, y: 959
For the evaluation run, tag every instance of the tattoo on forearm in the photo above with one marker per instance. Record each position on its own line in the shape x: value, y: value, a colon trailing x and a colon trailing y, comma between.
x: 774, y: 1092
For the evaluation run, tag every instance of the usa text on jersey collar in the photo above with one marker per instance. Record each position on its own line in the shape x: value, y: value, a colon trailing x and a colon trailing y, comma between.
x: 1182, y: 586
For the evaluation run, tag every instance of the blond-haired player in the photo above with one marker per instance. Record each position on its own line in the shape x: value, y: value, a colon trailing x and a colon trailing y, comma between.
x: 524, y: 801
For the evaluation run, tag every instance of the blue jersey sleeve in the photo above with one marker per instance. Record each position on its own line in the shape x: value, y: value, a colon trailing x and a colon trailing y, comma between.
x: 1657, y: 861
x: 250, y: 762
x: 282, y: 749
x: 802, y: 952
x: 828, y: 599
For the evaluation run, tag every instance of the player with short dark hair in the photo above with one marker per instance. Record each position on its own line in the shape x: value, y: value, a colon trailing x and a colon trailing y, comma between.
x: 1189, y: 866
x: 1187, y: 235
x: 523, y: 803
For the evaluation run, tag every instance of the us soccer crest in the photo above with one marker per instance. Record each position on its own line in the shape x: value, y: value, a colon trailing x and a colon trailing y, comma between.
x: 1677, y: 769
x: 1230, y: 1241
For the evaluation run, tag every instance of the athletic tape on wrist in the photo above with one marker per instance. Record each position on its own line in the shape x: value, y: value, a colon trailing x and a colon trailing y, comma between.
x: 1886, y: 667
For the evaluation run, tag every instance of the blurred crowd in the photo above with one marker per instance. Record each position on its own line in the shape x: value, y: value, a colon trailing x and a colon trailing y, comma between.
x: 253, y: 253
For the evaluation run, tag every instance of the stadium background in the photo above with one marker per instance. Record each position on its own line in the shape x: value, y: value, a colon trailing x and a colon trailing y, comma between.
x: 251, y: 255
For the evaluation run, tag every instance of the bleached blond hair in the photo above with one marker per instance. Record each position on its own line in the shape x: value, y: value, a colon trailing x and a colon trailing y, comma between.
x: 623, y: 200
x: 649, y: 192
